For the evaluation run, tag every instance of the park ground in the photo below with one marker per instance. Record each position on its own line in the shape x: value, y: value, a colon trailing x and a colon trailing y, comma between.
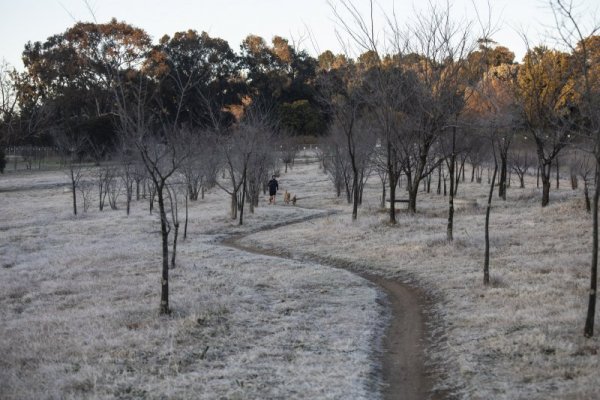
x: 79, y: 296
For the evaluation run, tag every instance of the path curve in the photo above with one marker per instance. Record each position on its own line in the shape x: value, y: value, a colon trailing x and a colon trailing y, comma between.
x: 402, y: 360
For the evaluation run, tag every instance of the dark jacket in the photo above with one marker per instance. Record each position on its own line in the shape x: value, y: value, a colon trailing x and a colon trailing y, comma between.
x: 273, y: 186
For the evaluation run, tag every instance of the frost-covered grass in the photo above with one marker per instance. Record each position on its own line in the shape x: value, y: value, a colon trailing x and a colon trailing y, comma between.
x: 520, y: 338
x: 79, y: 297
x: 79, y: 307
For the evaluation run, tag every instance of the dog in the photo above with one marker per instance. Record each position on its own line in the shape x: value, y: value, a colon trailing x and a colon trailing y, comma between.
x: 287, y: 197
x: 294, y: 200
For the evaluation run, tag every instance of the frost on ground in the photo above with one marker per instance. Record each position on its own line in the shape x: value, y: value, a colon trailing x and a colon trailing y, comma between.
x: 520, y: 338
x: 79, y: 297
x: 79, y: 308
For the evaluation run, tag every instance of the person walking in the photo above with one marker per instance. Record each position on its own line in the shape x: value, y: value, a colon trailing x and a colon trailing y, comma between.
x: 273, y: 186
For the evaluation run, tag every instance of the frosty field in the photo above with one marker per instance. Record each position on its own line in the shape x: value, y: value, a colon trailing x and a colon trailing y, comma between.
x: 79, y: 296
x: 521, y: 338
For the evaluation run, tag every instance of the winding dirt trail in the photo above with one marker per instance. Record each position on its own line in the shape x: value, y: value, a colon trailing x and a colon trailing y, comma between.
x: 403, y: 361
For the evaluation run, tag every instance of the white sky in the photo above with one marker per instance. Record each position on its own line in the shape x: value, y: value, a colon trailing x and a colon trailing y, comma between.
x: 232, y: 20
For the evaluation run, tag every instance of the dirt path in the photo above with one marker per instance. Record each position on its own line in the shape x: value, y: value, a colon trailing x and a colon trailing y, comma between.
x: 403, y: 361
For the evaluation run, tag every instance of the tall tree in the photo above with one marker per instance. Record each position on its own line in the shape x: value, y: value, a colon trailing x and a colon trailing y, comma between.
x: 242, y: 147
x: 492, y: 104
x: 204, y: 69
x: 161, y: 150
x: 283, y: 77
x: 583, y: 40
x: 546, y: 96
x: 342, y: 90
x: 8, y: 109
x: 73, y: 71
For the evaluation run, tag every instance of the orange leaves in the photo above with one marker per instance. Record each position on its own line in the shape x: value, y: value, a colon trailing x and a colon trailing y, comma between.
x: 546, y: 83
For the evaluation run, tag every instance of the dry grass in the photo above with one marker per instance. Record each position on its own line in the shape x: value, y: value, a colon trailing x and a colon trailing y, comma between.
x: 520, y: 338
x: 79, y: 309
x: 79, y: 298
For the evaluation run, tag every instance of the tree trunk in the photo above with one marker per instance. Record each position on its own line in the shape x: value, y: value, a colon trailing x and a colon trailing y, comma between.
x: 439, y: 186
x: 557, y: 175
x: 586, y: 194
x: 545, y: 175
x: 234, y: 205
x: 355, y: 196
x: 185, y: 225
x: 129, y: 196
x: 164, y: 230
x: 243, y: 198
x: 588, y: 331
x: 348, y: 190
x: 451, y: 166
x: 361, y: 185
x: 412, y: 197
x: 461, y: 171
x: 486, y: 262
x: 174, y: 252
x: 503, y: 176
x: 391, y: 158
x: 151, y: 195
x: 251, y: 202
x: 74, y: 191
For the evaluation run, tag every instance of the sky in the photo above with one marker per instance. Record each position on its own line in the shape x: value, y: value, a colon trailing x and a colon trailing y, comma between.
x: 35, y: 20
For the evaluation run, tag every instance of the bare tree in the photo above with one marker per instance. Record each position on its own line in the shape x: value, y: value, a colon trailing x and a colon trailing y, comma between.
x: 388, y: 90
x: 173, y: 188
x: 86, y: 188
x: 442, y: 44
x: 261, y: 162
x: 336, y: 164
x: 8, y: 108
x: 240, y: 147
x: 199, y: 170
x: 105, y: 177
x: 158, y: 147
x: 582, y: 164
x: 342, y: 89
x: 114, y: 188
x: 580, y: 38
x: 477, y: 154
x: 380, y: 168
x: 70, y: 148
x: 127, y: 175
x: 520, y: 162
x: 486, y: 261
x: 288, y: 150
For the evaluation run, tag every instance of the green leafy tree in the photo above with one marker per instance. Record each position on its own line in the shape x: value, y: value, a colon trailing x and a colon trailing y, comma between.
x: 204, y: 69
x: 284, y: 78
x: 71, y: 74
